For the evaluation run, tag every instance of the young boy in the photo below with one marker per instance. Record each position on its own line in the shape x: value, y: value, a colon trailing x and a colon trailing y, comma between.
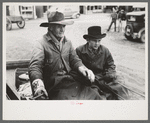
x: 98, y: 58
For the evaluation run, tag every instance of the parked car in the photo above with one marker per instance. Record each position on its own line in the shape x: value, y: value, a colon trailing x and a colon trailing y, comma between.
x: 69, y: 12
x: 135, y: 26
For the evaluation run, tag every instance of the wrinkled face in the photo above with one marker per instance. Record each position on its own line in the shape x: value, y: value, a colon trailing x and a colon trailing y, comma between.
x: 94, y: 43
x: 58, y: 30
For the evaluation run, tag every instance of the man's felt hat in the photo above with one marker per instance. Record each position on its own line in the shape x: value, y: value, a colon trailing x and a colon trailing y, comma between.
x: 56, y: 18
x: 94, y: 32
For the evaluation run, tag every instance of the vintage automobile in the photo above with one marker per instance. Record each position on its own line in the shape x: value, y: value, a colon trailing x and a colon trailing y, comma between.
x: 135, y: 26
x: 69, y: 12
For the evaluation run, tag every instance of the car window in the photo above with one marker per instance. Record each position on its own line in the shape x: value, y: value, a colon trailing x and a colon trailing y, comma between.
x: 132, y: 18
x: 67, y: 9
x: 53, y: 8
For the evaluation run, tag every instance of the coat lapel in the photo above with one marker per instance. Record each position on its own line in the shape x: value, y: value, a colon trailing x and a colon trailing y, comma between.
x: 52, y: 45
x: 88, y: 53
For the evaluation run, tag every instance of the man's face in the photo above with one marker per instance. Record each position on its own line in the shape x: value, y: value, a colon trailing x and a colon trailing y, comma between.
x: 94, y: 43
x: 58, y: 30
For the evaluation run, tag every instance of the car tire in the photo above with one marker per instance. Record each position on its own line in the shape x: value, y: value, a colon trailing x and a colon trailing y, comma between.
x: 78, y: 15
x: 21, y: 24
x: 128, y: 32
x: 142, y: 38
x: 75, y: 16
x: 8, y: 24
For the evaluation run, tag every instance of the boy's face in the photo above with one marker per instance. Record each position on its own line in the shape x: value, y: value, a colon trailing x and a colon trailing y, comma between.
x: 94, y: 43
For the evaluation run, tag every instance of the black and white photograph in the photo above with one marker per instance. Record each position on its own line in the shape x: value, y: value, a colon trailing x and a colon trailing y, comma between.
x: 68, y: 58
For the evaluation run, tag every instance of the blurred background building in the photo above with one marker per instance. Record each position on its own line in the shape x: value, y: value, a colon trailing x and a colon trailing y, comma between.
x: 33, y: 12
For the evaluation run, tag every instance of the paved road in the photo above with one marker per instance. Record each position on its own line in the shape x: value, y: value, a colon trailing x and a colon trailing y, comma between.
x: 129, y: 56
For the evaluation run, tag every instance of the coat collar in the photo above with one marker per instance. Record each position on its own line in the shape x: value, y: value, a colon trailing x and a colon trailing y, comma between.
x: 48, y: 38
x: 85, y: 49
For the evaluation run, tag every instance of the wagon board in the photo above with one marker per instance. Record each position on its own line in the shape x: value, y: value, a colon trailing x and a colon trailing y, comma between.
x: 13, y: 82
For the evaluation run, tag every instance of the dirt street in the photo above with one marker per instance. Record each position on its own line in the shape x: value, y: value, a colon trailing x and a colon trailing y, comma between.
x: 129, y: 56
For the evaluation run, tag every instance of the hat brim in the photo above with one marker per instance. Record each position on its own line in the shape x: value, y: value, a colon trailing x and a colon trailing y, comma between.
x: 94, y: 37
x: 64, y: 22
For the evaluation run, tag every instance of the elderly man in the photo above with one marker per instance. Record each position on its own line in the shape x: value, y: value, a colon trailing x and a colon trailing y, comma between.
x: 99, y: 59
x: 53, y: 58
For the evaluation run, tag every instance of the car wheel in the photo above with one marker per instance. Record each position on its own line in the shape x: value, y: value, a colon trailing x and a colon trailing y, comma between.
x: 128, y: 32
x: 21, y: 24
x: 78, y: 15
x: 142, y: 38
x: 8, y: 24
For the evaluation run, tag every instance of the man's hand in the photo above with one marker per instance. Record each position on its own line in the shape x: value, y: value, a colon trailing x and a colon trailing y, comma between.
x: 110, y: 76
x: 41, y: 92
x: 87, y: 73
x: 39, y: 89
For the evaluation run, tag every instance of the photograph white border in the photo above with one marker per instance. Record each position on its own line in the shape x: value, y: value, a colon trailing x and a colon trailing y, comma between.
x: 70, y: 110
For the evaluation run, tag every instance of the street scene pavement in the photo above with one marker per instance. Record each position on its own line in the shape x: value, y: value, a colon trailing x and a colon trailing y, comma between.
x: 129, y: 56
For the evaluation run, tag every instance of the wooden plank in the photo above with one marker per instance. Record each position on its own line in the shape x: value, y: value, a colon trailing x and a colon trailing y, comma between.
x: 17, y: 64
x: 11, y: 94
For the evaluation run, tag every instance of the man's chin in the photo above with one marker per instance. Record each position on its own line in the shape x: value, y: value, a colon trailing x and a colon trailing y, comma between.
x: 60, y: 36
x: 95, y: 48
